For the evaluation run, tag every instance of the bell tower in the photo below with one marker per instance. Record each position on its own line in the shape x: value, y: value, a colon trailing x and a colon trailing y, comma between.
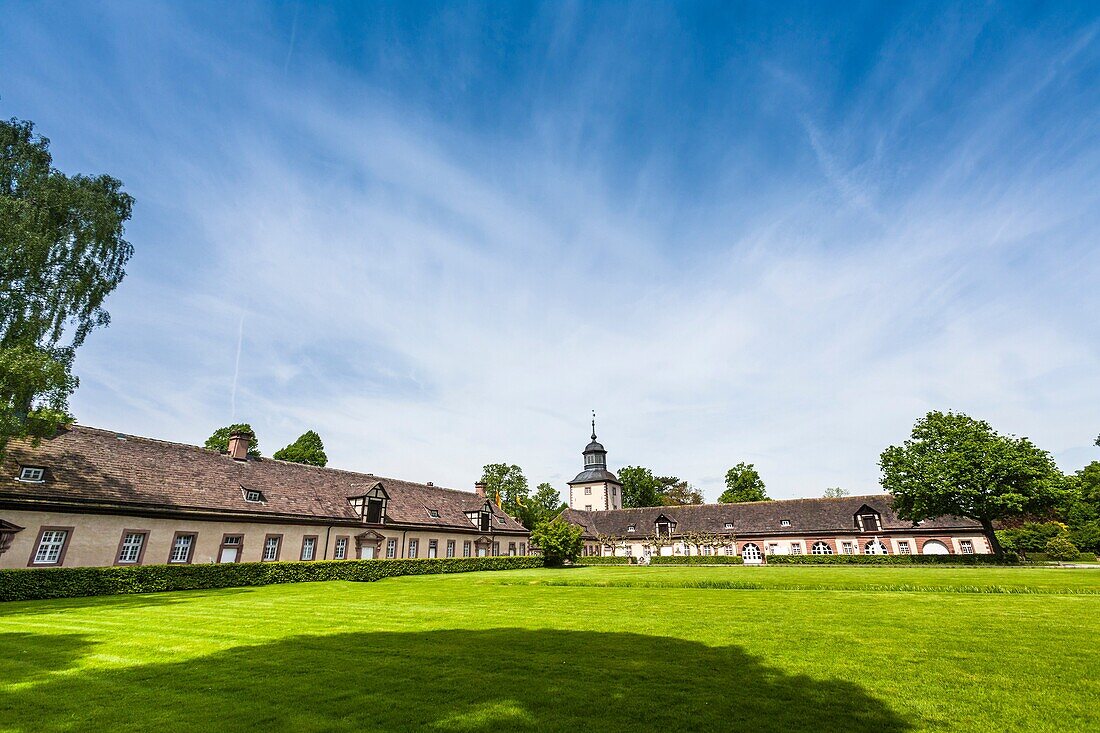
x: 595, y: 488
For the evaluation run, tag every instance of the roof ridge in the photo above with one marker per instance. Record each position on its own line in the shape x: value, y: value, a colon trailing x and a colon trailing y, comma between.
x: 130, y: 436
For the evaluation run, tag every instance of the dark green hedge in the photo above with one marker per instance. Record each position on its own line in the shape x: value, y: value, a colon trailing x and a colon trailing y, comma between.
x: 697, y: 560
x: 37, y: 583
x: 893, y: 560
x: 608, y: 560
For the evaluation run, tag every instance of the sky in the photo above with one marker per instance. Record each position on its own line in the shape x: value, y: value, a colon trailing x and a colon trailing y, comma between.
x: 442, y: 234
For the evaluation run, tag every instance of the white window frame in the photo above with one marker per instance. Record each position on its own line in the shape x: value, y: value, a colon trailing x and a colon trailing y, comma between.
x: 51, y: 546
x: 450, y: 548
x: 821, y: 548
x: 130, y: 551
x: 309, y: 549
x: 784, y: 523
x: 848, y: 548
x: 966, y: 547
x: 796, y: 548
x: 414, y: 548
x: 728, y: 525
x: 186, y: 543
x: 391, y: 548
x: 467, y: 548
x: 876, y: 547
x: 340, y: 549
x: 32, y: 474
x: 433, y: 549
x: 272, y: 546
x: 903, y: 547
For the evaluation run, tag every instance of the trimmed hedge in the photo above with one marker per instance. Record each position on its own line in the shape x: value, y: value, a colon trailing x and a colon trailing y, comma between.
x: 603, y: 560
x: 1044, y: 557
x: 696, y: 560
x: 893, y: 560
x: 38, y: 583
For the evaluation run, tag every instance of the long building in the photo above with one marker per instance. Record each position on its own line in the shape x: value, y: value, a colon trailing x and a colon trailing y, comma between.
x: 852, y: 525
x: 91, y: 497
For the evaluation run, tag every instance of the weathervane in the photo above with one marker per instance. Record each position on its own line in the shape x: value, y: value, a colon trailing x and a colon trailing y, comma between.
x: 593, y: 425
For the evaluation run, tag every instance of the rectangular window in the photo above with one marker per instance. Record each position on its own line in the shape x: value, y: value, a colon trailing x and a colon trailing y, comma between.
x: 708, y: 551
x: 522, y: 548
x: 51, y: 547
x: 588, y: 507
x: 967, y: 547
x: 391, y: 548
x: 450, y: 548
x: 433, y: 513
x: 796, y: 548
x: 340, y: 549
x: 729, y: 525
x: 413, y: 548
x: 272, y: 545
x: 230, y: 550
x: 629, y: 551
x: 903, y: 547
x: 32, y: 474
x: 846, y: 548
x: 784, y: 523
x: 496, y: 549
x: 587, y: 490
x: 181, y: 548
x: 309, y: 547
x: 433, y: 548
x: 130, y: 551
x: 729, y: 550
x: 253, y: 496
x: 466, y: 548
x: 511, y: 549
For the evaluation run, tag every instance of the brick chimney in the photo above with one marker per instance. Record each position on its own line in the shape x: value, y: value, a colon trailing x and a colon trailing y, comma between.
x: 238, y: 445
x: 479, y: 489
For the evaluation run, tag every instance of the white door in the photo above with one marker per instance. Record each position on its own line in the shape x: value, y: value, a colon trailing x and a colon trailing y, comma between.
x: 481, y: 552
x: 229, y: 554
x: 368, y: 552
x: 750, y: 553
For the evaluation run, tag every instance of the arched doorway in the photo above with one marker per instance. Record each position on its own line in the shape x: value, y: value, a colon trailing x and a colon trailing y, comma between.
x: 934, y: 547
x: 750, y: 552
x: 875, y: 547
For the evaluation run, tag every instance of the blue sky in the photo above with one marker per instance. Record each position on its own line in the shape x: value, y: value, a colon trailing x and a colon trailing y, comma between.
x: 440, y: 234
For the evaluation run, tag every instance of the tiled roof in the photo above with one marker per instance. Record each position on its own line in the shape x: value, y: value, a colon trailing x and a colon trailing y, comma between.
x: 87, y: 466
x: 758, y: 517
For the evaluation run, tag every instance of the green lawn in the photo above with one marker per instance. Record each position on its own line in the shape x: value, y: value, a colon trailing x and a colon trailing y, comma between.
x: 600, y: 649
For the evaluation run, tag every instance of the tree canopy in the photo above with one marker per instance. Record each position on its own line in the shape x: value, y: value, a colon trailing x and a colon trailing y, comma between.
x: 743, y: 483
x: 507, y: 482
x: 640, y: 487
x: 835, y: 492
x: 219, y: 440
x: 558, y: 541
x: 307, y: 449
x: 62, y: 252
x: 542, y: 506
x: 681, y: 493
x: 955, y: 464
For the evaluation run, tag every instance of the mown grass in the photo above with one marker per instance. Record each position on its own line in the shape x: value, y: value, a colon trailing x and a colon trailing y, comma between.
x: 513, y: 651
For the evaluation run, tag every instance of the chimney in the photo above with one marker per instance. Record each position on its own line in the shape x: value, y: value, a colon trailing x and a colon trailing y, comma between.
x: 238, y: 445
x: 479, y: 489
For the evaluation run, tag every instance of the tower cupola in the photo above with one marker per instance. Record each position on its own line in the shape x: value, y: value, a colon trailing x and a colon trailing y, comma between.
x: 595, y: 488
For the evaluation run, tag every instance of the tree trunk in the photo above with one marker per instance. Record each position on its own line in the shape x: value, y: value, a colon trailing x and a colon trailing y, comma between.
x: 991, y: 535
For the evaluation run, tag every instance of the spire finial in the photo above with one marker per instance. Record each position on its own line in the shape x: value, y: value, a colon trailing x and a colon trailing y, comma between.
x: 593, y: 425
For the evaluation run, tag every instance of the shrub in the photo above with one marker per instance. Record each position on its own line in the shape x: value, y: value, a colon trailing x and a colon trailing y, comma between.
x: 37, y: 583
x: 696, y: 560
x: 558, y: 541
x: 603, y: 560
x: 892, y: 560
x: 1039, y: 557
x: 1060, y: 548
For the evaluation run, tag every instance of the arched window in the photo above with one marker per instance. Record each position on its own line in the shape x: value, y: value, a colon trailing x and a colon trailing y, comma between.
x: 750, y: 552
x: 821, y: 548
x: 874, y: 547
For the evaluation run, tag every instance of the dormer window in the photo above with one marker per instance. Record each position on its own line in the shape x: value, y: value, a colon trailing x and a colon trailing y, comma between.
x: 433, y: 513
x: 664, y: 526
x: 501, y: 520
x: 371, y: 506
x: 485, y: 519
x: 631, y: 528
x: 867, y: 519
x: 784, y: 523
x: 729, y: 525
x: 32, y: 474
x: 254, y: 496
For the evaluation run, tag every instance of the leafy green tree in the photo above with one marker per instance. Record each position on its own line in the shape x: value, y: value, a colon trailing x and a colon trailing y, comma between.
x: 62, y: 253
x: 954, y: 464
x: 743, y: 483
x: 543, y: 506
x: 558, y: 541
x: 219, y: 440
x: 1030, y: 536
x: 640, y: 487
x: 835, y: 492
x: 307, y: 449
x: 682, y: 493
x: 507, y: 482
x: 1061, y: 548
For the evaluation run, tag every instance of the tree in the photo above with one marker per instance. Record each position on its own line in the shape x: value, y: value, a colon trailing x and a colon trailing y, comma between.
x: 682, y: 493
x: 656, y: 541
x: 508, y: 483
x: 612, y: 541
x: 835, y: 492
x: 558, y: 541
x: 219, y: 440
x: 543, y: 506
x: 62, y: 253
x: 640, y: 487
x: 955, y: 465
x: 1060, y: 548
x: 743, y: 483
x: 307, y: 449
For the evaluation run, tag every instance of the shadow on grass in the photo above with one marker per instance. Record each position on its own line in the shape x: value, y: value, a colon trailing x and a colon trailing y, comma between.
x: 496, y: 679
x: 24, y: 609
x: 28, y: 657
